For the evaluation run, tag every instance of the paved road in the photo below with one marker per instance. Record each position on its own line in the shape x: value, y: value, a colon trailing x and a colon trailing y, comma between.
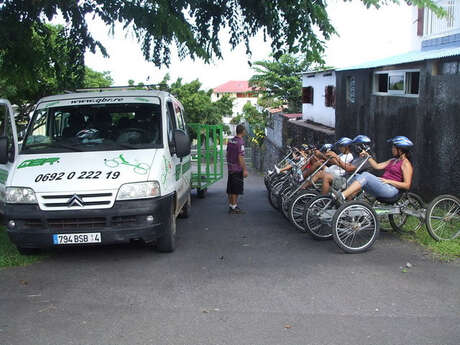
x: 234, y: 279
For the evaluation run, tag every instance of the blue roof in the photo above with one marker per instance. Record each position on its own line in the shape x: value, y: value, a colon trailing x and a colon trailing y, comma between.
x: 412, y: 56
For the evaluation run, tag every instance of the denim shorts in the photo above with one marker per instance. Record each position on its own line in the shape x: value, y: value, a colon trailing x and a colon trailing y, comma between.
x: 374, y: 186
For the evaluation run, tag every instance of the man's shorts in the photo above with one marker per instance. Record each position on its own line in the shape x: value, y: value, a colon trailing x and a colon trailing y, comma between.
x: 235, y: 183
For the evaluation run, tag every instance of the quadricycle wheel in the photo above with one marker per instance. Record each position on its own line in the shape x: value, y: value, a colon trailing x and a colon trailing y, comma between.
x: 355, y: 227
x: 285, y: 201
x: 443, y: 218
x: 404, y: 222
x: 273, y: 195
x: 318, y: 215
x: 297, y: 207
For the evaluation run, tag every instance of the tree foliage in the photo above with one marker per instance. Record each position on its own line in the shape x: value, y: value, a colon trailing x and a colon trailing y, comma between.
x: 257, y: 121
x: 198, y: 106
x: 194, y: 27
x: 94, y: 79
x: 280, y: 81
x: 54, y: 68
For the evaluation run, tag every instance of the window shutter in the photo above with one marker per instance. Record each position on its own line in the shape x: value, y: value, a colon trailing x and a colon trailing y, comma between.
x: 420, y: 21
x: 329, y: 95
x: 307, y: 95
x: 333, y: 97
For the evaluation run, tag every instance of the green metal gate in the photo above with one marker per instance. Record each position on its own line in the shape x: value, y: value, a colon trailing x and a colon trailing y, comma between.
x: 208, y: 159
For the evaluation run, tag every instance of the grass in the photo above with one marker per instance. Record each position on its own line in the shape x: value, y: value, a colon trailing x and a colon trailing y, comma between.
x: 9, y: 255
x: 444, y: 250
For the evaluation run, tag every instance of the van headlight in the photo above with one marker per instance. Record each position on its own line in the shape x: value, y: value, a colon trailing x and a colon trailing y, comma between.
x: 139, y: 190
x: 20, y: 195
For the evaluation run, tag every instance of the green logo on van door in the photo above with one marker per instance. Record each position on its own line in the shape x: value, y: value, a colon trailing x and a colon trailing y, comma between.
x: 38, y: 162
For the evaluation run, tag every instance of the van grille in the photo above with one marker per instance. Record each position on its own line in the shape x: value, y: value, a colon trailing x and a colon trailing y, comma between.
x: 76, y: 223
x: 75, y: 201
x: 33, y: 224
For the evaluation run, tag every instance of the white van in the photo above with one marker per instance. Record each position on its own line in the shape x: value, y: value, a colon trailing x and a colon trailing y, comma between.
x: 96, y: 168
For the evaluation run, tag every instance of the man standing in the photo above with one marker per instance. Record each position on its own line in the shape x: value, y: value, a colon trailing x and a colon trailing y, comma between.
x: 236, y: 169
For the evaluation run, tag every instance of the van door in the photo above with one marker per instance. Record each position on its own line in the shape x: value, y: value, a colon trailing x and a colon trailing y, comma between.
x: 186, y: 171
x: 8, y: 129
x: 175, y: 161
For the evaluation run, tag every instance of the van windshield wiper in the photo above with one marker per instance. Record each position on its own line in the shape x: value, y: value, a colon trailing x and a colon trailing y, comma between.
x: 53, y: 144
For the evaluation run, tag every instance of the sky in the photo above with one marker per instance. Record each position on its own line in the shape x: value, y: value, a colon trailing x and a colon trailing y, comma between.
x: 365, y: 35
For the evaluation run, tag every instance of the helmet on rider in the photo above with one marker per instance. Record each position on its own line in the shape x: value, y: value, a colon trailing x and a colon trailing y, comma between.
x: 344, y: 141
x: 362, y: 142
x: 401, y: 141
x: 326, y: 147
x: 361, y: 139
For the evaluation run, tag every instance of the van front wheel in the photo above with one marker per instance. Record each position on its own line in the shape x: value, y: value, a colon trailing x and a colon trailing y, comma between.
x: 187, y: 208
x: 167, y: 242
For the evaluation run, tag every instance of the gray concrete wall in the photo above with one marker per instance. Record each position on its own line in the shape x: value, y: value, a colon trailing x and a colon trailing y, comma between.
x: 431, y: 120
x: 284, y: 132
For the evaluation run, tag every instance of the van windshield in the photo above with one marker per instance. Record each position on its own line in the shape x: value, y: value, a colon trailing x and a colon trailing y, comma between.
x: 97, y: 127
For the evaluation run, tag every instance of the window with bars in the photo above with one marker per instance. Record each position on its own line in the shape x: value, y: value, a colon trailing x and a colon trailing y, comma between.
x: 403, y: 83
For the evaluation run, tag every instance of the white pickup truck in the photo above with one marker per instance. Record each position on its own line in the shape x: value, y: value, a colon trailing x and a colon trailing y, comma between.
x: 95, y: 168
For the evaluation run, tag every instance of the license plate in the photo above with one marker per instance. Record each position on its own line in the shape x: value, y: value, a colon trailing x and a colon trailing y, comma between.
x: 92, y: 237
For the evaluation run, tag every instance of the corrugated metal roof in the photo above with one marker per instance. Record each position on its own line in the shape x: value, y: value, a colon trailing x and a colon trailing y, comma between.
x: 412, y: 56
x: 318, y: 71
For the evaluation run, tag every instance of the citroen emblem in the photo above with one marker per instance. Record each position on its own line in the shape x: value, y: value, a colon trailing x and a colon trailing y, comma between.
x: 75, y: 200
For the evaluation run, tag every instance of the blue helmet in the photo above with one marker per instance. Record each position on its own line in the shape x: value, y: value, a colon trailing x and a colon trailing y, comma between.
x: 401, y: 141
x: 361, y: 139
x: 344, y: 141
x: 326, y: 147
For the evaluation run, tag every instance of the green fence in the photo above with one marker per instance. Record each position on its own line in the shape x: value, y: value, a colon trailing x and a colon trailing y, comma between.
x: 208, y: 160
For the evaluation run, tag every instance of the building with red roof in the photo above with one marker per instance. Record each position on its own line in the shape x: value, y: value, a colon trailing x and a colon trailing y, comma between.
x: 240, y: 91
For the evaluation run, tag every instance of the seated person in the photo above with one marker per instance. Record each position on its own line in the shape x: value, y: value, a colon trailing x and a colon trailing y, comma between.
x: 397, y: 173
x: 334, y: 170
x: 361, y: 142
x: 316, y: 160
x: 123, y: 123
x: 103, y: 123
x: 76, y: 124
x: 299, y: 155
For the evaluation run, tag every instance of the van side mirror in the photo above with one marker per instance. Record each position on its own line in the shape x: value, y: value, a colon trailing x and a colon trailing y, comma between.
x: 182, y: 141
x: 3, y: 150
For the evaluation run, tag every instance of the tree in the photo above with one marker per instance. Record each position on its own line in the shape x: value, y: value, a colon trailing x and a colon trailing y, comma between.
x: 280, y: 81
x: 198, y: 105
x: 94, y: 79
x: 55, y: 68
x: 257, y: 121
x: 192, y: 26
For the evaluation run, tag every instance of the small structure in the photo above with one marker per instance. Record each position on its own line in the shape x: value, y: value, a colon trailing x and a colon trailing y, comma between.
x: 242, y: 94
x: 318, y: 97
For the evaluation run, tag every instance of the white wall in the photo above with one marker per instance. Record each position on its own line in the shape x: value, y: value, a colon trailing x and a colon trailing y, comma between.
x: 318, y: 112
x: 416, y: 42
x: 238, y: 103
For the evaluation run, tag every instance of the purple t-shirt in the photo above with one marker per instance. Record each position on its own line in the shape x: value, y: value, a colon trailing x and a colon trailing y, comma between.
x: 235, y: 148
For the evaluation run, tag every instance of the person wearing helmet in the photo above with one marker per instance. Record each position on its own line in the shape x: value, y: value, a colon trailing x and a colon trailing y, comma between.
x: 361, y: 143
x: 299, y: 155
x: 328, y: 174
x: 318, y: 157
x: 397, y: 173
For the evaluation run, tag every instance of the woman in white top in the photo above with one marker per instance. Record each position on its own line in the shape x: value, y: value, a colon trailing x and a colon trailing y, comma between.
x: 334, y: 170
